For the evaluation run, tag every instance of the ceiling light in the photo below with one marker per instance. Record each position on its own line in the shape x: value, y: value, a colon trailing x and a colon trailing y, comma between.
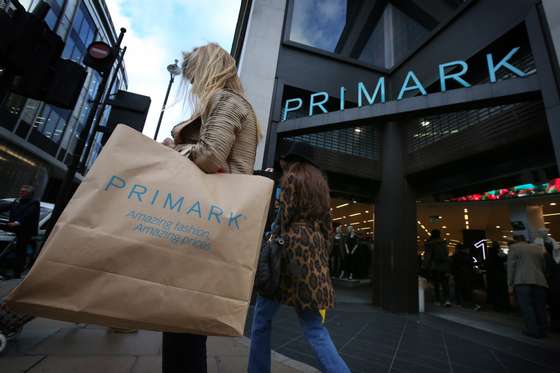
x: 367, y: 212
x: 370, y: 221
x: 466, y: 210
x: 444, y: 227
x: 466, y: 217
x: 356, y: 214
x: 498, y: 227
x: 354, y: 201
x: 343, y: 205
x: 358, y: 130
x: 425, y: 123
x: 335, y: 219
x: 504, y: 236
x: 554, y: 214
x: 448, y: 234
x: 552, y: 203
x: 546, y: 222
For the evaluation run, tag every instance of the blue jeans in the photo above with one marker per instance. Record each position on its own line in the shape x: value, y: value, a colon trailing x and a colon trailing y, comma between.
x: 313, y: 329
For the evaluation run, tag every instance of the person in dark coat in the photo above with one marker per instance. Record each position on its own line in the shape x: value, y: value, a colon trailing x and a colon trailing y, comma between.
x: 437, y: 262
x: 24, y: 222
x: 496, y: 278
x: 462, y: 270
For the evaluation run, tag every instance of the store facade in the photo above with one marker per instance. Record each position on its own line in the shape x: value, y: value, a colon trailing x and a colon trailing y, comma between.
x: 406, y: 102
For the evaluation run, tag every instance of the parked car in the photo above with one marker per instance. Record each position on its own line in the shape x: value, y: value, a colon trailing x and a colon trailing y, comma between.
x: 45, y: 213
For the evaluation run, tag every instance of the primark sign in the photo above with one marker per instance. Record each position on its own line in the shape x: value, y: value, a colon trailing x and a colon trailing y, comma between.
x: 410, y: 84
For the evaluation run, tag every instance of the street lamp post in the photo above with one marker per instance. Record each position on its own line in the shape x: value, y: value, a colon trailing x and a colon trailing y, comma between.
x: 174, y: 70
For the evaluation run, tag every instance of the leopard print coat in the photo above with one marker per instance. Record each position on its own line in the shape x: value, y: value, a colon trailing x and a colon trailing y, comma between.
x: 305, y: 281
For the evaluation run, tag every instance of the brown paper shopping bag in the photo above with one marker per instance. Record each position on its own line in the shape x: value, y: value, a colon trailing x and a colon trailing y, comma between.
x: 149, y: 241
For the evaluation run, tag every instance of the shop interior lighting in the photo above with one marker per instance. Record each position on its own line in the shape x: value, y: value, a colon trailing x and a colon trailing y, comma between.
x: 466, y: 217
x: 466, y: 210
x: 553, y: 214
x: 356, y: 214
x: 16, y: 155
x: 425, y: 123
x: 341, y: 206
x: 546, y: 222
x: 365, y: 228
x: 552, y: 203
x: 448, y: 234
x: 355, y: 223
x: 370, y: 221
x: 337, y: 219
x: 498, y: 227
x: 444, y: 227
x: 358, y: 130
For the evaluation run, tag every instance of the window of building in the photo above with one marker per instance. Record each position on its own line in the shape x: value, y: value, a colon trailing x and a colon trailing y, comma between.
x: 82, y: 34
x: 377, y: 32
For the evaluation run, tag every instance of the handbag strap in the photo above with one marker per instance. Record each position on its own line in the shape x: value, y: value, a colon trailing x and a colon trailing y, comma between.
x: 277, y: 223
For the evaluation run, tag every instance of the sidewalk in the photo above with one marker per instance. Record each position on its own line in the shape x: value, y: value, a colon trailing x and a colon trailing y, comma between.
x: 49, y: 346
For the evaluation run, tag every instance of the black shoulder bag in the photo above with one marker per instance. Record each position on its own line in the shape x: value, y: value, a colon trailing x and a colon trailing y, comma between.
x: 267, y: 278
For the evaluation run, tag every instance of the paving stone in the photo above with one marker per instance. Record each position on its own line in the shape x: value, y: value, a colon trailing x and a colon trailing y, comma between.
x: 225, y: 346
x: 17, y: 364
x: 85, y: 364
x: 83, y: 341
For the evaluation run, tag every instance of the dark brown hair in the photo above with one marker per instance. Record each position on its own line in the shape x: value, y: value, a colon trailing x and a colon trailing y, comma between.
x: 311, y: 195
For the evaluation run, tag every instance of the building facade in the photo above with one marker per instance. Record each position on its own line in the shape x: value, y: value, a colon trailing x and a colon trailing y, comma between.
x: 37, y: 139
x: 408, y: 102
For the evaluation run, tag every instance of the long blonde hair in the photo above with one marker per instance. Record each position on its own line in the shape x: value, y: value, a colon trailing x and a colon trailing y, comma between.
x: 210, y: 68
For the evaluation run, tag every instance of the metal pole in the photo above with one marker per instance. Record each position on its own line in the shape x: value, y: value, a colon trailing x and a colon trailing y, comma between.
x: 91, y: 139
x: 171, y: 79
x: 65, y: 191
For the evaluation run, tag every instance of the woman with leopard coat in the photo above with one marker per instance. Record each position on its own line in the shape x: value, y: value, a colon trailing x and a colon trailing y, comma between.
x: 305, y: 284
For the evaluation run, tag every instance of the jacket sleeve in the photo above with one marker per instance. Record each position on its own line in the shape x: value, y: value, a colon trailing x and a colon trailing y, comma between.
x: 217, y: 134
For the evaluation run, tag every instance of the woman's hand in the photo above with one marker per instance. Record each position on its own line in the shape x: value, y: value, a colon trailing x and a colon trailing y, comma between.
x: 169, y: 142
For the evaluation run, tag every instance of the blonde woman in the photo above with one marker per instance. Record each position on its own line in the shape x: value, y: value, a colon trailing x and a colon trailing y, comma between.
x: 221, y: 137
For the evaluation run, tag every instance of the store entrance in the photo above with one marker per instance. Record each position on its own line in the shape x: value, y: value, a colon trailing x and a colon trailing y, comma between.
x: 351, y: 255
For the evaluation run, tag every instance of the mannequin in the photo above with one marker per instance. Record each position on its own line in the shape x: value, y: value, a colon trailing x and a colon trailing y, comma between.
x: 337, y: 253
x: 351, y: 243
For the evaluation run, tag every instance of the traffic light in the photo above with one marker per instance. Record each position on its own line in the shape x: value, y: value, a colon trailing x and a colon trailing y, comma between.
x: 30, y: 59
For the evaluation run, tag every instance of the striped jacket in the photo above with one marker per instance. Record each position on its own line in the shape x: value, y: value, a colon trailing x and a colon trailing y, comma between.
x: 227, y: 141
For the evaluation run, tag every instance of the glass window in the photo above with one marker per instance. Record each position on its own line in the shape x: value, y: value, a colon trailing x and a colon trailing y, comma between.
x: 51, y: 19
x: 378, y: 32
x: 68, y: 49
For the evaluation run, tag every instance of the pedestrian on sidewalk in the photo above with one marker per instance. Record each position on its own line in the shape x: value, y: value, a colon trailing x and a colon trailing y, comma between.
x: 526, y: 277
x: 305, y: 283
x: 226, y: 143
x: 24, y: 223
x: 437, y: 262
